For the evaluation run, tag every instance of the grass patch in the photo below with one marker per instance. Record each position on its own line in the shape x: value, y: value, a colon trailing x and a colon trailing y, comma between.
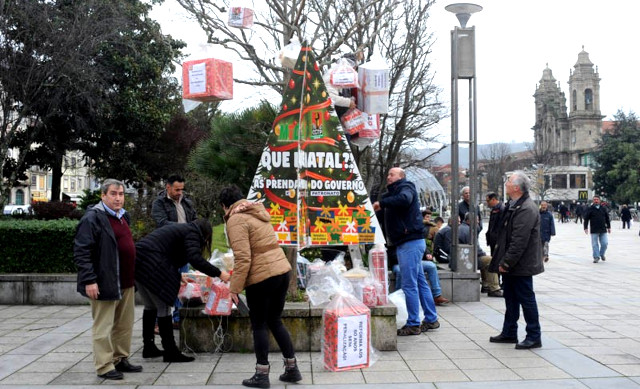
x: 219, y: 241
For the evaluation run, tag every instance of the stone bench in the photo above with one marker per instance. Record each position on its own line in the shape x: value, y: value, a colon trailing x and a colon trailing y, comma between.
x: 457, y: 287
x: 303, y: 321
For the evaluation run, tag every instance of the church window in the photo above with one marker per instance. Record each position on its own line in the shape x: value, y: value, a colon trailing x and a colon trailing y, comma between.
x: 574, y: 100
x: 588, y: 99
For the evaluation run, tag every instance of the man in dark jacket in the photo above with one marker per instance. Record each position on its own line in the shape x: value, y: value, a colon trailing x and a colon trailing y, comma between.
x: 496, y: 211
x: 580, y: 209
x: 105, y: 254
x: 173, y: 207
x: 598, y: 215
x: 625, y: 216
x: 442, y: 243
x: 405, y: 231
x: 547, y: 229
x: 463, y: 207
x: 518, y: 258
x: 490, y: 282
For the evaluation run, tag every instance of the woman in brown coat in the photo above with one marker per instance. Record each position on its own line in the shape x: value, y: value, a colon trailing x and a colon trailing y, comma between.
x: 263, y: 270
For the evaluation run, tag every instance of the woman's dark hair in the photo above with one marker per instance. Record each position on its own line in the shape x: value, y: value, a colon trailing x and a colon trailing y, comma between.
x: 205, y: 229
x: 230, y: 195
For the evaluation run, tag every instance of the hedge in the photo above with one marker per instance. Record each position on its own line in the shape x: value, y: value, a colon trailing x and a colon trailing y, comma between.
x: 37, y: 246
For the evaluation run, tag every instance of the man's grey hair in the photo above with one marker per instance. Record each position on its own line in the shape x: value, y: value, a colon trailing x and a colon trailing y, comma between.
x: 463, y: 189
x: 104, y: 188
x: 521, y: 180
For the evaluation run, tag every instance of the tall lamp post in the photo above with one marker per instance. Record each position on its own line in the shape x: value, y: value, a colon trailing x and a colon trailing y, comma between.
x: 463, y: 66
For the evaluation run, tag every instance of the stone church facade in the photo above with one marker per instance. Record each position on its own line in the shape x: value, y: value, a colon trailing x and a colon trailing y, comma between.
x: 568, y: 137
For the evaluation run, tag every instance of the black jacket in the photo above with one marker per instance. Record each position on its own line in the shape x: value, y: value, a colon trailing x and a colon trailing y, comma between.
x: 161, y: 254
x: 95, y: 252
x: 495, y: 217
x: 163, y: 210
x: 625, y: 214
x: 402, y: 217
x: 463, y: 209
x: 442, y: 241
x: 599, y: 218
x: 518, y: 246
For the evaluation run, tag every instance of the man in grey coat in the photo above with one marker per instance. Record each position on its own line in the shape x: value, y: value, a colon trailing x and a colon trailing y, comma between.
x: 518, y: 258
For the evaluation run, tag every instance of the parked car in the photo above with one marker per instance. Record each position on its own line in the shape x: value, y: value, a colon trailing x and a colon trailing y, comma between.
x: 13, y: 209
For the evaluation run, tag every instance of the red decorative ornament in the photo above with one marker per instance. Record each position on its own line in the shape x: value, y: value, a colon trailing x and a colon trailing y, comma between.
x: 292, y: 84
x: 320, y: 199
x: 327, y: 115
x: 285, y: 107
x: 316, y: 67
x: 339, y: 137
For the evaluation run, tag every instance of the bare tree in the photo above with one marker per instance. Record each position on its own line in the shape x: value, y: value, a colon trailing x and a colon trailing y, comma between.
x: 496, y: 158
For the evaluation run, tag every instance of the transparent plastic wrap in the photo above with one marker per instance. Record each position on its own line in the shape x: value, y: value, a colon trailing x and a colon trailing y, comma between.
x: 357, y: 277
x: 223, y: 261
x: 397, y: 298
x: 289, y: 53
x: 342, y: 74
x: 219, y: 302
x: 190, y: 293
x: 352, y: 121
x: 369, y: 133
x: 346, y: 328
x: 378, y: 267
x: 326, y: 281
x: 303, y: 273
x: 208, y: 79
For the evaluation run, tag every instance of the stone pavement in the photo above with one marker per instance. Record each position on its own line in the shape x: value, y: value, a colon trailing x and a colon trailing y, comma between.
x: 590, y: 315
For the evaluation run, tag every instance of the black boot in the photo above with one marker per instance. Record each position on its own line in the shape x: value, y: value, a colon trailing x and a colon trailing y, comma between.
x: 260, y: 379
x: 148, y: 323
x: 171, y: 351
x: 291, y: 371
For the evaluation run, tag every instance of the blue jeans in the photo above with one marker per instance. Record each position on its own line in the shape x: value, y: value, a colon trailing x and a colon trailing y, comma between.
x: 428, y: 267
x: 518, y: 292
x: 178, y: 304
x: 414, y: 284
x: 601, y: 240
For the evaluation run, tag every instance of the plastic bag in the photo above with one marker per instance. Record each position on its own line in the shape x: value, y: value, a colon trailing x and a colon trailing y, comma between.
x: 356, y: 277
x: 352, y: 121
x: 219, y: 302
x: 325, y: 282
x: 346, y: 340
x: 240, y: 17
x: 289, y: 54
x: 190, y: 293
x: 378, y: 267
x: 302, y: 267
x: 224, y: 261
x: 397, y: 298
x: 342, y: 75
x: 369, y: 133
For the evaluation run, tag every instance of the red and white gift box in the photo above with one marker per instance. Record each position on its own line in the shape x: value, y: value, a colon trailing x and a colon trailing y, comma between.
x: 378, y: 269
x: 370, y: 132
x: 219, y: 302
x: 343, y: 76
x: 373, y: 95
x: 353, y: 121
x: 346, y: 334
x: 207, y: 79
x: 240, y: 17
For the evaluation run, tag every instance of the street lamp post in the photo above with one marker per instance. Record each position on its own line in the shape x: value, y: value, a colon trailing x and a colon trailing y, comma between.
x: 463, y: 67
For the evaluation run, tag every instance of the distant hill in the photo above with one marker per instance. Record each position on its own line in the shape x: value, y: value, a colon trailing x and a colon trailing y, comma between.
x: 444, y: 156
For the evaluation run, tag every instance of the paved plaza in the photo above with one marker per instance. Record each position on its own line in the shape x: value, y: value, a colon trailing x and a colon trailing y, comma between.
x: 590, y: 317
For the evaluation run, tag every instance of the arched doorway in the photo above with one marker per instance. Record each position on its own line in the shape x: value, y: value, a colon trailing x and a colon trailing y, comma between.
x: 19, y: 197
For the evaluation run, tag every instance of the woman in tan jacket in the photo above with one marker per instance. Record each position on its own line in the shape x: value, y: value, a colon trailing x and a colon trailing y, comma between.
x: 263, y: 270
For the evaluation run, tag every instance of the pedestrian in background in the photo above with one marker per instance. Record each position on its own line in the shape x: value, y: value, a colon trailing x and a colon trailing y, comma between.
x: 598, y: 216
x: 547, y: 229
x: 625, y: 216
x: 518, y: 258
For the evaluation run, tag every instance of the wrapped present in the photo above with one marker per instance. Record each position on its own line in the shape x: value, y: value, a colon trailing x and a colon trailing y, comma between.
x: 370, y: 132
x: 289, y: 54
x: 369, y: 295
x: 373, y: 95
x: 378, y: 268
x: 346, y: 334
x: 219, y: 302
x: 204, y: 282
x: 240, y: 17
x: 342, y: 75
x: 352, y: 121
x: 207, y: 79
x: 190, y: 293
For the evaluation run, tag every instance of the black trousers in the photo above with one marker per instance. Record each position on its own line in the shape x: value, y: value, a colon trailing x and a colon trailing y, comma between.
x: 266, y: 302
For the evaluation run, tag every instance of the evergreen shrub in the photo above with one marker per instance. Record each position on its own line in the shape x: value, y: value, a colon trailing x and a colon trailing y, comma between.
x: 37, y: 246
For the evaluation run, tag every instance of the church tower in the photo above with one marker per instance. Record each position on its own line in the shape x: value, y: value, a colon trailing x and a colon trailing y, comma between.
x: 551, y: 128
x: 585, y: 119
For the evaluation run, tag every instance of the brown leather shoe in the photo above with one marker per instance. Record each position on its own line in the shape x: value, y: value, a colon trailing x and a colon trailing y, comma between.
x: 441, y: 300
x: 495, y: 293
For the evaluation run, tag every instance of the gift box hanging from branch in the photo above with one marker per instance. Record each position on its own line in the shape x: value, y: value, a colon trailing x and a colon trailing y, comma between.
x: 240, y: 16
x: 207, y: 80
x: 373, y: 95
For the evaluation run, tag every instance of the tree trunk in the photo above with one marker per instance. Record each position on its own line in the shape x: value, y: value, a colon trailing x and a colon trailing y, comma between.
x: 56, y: 178
x: 292, y: 256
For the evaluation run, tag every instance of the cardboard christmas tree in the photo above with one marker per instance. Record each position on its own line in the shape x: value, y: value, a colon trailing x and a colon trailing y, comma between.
x: 308, y: 179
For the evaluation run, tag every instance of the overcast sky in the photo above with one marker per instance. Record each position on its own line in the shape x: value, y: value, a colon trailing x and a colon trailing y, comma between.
x: 515, y: 40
